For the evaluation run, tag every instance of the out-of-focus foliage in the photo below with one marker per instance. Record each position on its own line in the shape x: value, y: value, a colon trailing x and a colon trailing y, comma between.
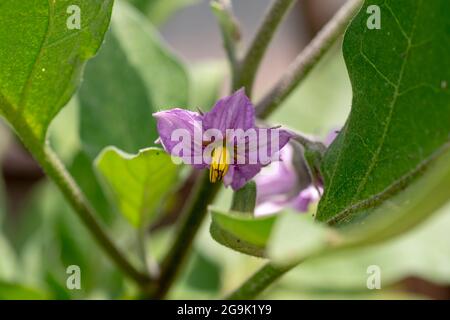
x: 49, y: 238
x: 158, y: 11
x: 206, y: 81
x: 138, y: 183
x: 5, y: 138
x: 321, y: 103
x: 8, y: 259
x: 422, y: 252
x: 295, y: 237
x: 142, y: 77
x: 12, y: 291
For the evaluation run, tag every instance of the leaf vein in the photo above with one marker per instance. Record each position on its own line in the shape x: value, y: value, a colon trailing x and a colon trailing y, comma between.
x: 391, y: 112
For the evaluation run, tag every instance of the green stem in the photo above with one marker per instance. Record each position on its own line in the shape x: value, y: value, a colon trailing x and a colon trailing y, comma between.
x: 309, y: 58
x: 244, y: 199
x: 150, y: 266
x: 259, y: 282
x: 55, y: 169
x: 230, y: 30
x: 252, y: 59
x: 192, y: 218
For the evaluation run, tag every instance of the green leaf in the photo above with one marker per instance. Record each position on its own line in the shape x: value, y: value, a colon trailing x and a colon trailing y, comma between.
x: 239, y: 232
x: 42, y: 60
x: 138, y: 183
x: 423, y: 197
x: 160, y: 10
x: 400, y: 114
x: 294, y: 239
x: 132, y: 77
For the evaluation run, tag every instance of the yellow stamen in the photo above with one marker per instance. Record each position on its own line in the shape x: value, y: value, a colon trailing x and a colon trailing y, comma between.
x: 219, y: 164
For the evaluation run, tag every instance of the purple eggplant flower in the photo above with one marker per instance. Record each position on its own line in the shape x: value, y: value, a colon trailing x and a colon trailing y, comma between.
x: 226, y: 139
x: 278, y: 186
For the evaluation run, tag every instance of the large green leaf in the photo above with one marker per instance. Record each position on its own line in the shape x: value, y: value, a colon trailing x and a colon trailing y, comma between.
x: 238, y: 231
x: 295, y: 238
x: 133, y: 76
x: 400, y: 116
x: 41, y: 59
x: 138, y: 183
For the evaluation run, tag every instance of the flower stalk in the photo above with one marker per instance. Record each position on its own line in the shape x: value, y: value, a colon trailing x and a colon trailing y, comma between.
x: 56, y: 170
x: 194, y: 213
x: 229, y: 27
x: 258, y: 282
x: 308, y: 59
x: 249, y: 65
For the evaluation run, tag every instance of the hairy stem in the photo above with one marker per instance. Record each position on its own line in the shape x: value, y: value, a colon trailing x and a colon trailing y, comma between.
x: 55, y: 169
x: 192, y: 217
x: 309, y: 58
x: 252, y: 59
x: 258, y: 282
x: 230, y: 30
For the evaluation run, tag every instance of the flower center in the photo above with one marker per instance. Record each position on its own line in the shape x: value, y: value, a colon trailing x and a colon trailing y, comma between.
x: 219, y: 163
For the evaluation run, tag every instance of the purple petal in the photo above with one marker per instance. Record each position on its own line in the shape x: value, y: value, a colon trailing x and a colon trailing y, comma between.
x: 268, y: 208
x: 233, y: 112
x: 330, y: 137
x: 174, y: 123
x: 238, y: 176
x: 279, y: 178
x: 269, y: 144
x: 305, y: 198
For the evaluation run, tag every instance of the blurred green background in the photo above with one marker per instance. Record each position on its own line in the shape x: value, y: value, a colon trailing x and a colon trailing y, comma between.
x: 167, y: 53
